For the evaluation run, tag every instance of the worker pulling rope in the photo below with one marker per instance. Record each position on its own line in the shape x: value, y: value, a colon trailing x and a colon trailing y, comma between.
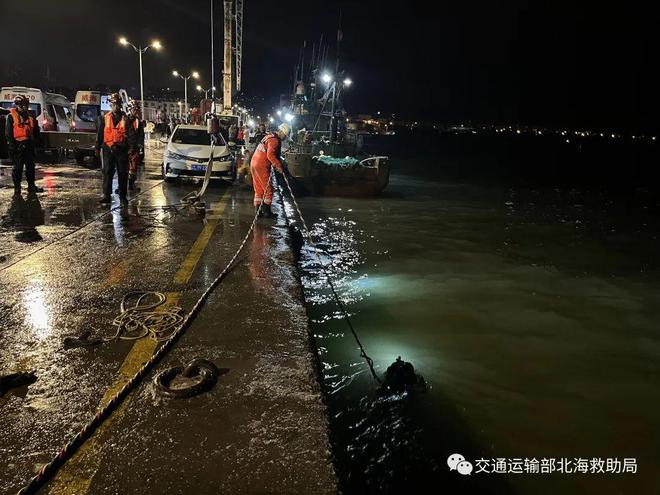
x: 48, y: 470
x: 134, y: 318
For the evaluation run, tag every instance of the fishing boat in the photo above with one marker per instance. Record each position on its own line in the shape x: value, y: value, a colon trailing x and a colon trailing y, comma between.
x: 327, y: 170
x: 324, y: 157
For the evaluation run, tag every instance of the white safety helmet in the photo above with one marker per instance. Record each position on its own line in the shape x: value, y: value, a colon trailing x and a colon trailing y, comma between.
x: 285, y: 128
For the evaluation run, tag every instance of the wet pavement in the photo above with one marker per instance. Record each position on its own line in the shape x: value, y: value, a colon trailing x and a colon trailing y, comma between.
x: 65, y: 264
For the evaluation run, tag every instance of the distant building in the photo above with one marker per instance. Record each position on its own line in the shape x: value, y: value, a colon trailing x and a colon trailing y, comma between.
x: 152, y: 107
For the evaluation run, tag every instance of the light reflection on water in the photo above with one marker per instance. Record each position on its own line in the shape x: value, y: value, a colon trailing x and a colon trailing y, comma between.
x: 525, y: 310
x: 36, y: 306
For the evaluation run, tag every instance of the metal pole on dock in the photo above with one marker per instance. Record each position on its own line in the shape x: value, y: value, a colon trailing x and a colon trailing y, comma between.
x: 226, y: 75
x: 212, y: 66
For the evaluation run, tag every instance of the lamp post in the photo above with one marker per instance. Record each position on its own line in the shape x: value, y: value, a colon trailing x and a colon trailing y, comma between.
x: 206, y: 91
x: 194, y: 75
x: 329, y: 79
x: 156, y: 46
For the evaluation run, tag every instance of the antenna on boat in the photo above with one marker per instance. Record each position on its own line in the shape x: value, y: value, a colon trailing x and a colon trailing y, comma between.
x: 311, y: 61
x: 340, y: 35
x: 302, y: 61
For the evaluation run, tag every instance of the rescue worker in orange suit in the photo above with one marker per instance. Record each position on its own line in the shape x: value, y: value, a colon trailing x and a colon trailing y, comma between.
x: 267, y: 155
x: 135, y: 135
x: 112, y: 143
x: 22, y: 135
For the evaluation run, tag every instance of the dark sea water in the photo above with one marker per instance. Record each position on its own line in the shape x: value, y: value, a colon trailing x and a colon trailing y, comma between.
x: 521, y: 278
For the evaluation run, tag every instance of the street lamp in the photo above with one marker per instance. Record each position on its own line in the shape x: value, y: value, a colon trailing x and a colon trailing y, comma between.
x: 333, y: 121
x: 155, y: 44
x: 206, y: 91
x: 194, y: 75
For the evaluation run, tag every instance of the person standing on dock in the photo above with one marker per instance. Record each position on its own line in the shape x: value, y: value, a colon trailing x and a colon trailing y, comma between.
x: 22, y: 134
x: 112, y: 143
x: 135, y: 136
x: 260, y: 133
x: 267, y: 155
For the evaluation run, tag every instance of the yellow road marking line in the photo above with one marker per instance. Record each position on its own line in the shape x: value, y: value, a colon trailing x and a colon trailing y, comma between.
x: 188, y: 266
x: 75, y: 477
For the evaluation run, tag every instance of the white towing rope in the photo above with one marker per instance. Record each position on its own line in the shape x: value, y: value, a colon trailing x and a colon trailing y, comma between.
x: 196, y: 196
x: 324, y: 268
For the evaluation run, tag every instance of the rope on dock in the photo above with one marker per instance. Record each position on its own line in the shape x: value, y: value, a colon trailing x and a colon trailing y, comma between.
x: 141, y: 318
x: 324, y: 268
x: 48, y: 470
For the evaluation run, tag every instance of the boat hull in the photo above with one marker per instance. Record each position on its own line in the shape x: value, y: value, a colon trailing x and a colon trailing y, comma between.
x: 369, y: 178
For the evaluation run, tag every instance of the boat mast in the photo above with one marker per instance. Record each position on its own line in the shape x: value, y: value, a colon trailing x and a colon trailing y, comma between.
x: 340, y: 35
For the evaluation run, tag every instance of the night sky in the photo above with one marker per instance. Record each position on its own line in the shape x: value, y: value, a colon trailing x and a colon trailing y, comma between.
x: 548, y: 63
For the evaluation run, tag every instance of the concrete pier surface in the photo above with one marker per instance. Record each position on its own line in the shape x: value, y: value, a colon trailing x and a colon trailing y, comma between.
x: 66, y: 262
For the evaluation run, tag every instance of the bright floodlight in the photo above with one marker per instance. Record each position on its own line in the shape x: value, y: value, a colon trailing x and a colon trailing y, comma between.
x: 347, y: 82
x: 123, y: 41
x: 156, y: 44
x: 195, y: 74
x: 288, y: 117
x: 199, y: 88
x: 251, y: 123
x: 213, y: 88
x: 279, y: 113
x: 179, y: 103
x: 326, y: 78
x: 175, y: 73
x: 271, y: 119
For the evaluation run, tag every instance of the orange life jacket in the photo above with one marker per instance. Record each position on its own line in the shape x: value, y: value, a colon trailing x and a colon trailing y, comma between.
x: 23, y: 129
x: 111, y: 134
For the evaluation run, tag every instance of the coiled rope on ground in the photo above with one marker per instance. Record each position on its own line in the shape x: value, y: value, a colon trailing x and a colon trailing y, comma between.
x: 140, y: 319
x: 48, y: 470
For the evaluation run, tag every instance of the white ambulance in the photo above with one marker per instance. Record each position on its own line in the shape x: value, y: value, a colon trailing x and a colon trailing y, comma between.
x: 87, y: 110
x: 53, y: 111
